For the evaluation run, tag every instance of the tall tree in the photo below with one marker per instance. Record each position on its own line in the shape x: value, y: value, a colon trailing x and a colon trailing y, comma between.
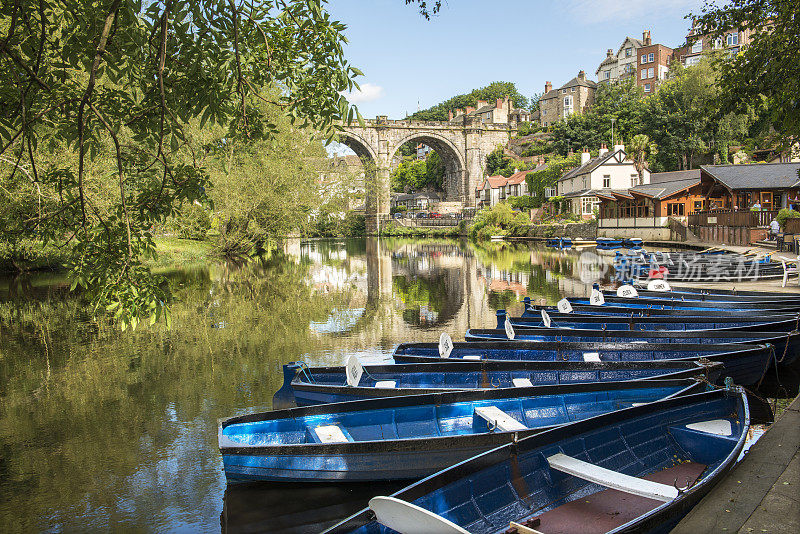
x: 489, y: 93
x: 111, y: 86
x: 640, y: 148
x: 768, y: 65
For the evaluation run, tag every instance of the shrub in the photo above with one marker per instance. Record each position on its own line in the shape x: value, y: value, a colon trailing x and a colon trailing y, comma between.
x: 786, y: 214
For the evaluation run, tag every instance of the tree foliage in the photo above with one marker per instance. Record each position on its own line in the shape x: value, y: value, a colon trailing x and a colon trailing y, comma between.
x: 768, y: 66
x: 497, y: 162
x: 95, y: 106
x: 490, y: 94
x: 415, y: 174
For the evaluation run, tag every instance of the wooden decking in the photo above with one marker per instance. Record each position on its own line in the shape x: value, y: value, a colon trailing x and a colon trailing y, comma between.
x: 762, y: 493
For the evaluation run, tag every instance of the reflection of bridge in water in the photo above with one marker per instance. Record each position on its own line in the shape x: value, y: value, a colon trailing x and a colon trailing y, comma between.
x: 413, y: 291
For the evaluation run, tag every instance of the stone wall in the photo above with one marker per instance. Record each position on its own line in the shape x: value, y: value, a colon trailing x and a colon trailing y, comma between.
x: 586, y: 230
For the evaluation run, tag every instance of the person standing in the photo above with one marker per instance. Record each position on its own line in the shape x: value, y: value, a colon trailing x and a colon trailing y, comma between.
x: 774, y: 229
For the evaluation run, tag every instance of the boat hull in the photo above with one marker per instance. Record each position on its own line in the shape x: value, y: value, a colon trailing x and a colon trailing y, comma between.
x: 517, y: 481
x: 411, y: 437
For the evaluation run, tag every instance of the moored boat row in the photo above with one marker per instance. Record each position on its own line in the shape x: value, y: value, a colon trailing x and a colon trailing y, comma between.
x: 610, y: 407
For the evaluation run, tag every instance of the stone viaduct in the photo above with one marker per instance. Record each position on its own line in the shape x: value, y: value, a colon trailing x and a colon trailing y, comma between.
x: 462, y: 146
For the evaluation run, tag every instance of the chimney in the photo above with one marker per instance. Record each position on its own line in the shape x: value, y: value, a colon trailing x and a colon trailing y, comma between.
x: 585, y: 156
x: 610, y: 52
x: 582, y: 76
x: 469, y: 110
x: 617, y: 148
x: 603, y: 149
x: 547, y: 87
x: 451, y: 114
x: 646, y: 38
x: 499, y: 103
x: 481, y: 103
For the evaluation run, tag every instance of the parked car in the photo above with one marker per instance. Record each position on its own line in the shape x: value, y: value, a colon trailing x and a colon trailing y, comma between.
x: 398, y: 215
x: 435, y: 215
x: 422, y: 215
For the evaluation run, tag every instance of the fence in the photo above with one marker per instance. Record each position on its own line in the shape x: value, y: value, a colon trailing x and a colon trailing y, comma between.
x: 792, y: 226
x: 739, y: 219
x: 439, y: 222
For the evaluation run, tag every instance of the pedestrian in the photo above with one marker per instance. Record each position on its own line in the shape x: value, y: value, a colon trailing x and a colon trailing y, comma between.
x: 756, y: 206
x: 774, y: 229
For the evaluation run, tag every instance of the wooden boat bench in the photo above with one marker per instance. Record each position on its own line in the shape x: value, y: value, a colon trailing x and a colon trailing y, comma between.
x: 330, y: 434
x: 607, y: 509
x: 612, y: 479
x: 499, y: 419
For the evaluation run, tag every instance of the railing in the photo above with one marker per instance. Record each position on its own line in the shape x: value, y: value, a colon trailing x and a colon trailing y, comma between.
x: 441, y: 221
x: 750, y: 219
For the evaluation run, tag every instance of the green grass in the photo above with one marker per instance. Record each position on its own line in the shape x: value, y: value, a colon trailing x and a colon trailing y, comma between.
x: 176, y: 251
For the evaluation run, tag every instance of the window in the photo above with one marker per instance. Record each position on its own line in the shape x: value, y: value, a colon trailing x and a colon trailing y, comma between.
x: 628, y: 52
x: 676, y: 208
x: 585, y: 182
x: 549, y: 192
x: 634, y: 179
x: 606, y: 181
x: 544, y: 112
x: 644, y: 73
x: 608, y: 74
x: 588, y: 205
x: 651, y: 57
x: 692, y: 61
x: 651, y: 72
x: 568, y: 105
x: 573, y: 89
x: 563, y: 91
x: 647, y: 88
x: 717, y: 43
x: 733, y: 39
x: 697, y: 46
x: 644, y: 59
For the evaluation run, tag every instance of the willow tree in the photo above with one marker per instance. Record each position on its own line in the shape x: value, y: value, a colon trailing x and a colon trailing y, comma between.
x: 95, y: 100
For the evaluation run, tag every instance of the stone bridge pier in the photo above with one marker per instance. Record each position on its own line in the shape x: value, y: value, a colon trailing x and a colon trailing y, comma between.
x: 462, y: 146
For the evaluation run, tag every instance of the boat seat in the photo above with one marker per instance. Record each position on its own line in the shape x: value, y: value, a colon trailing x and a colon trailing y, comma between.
x: 612, y: 479
x: 499, y: 418
x: 386, y: 384
x: 471, y: 357
x: 591, y: 357
x: 521, y: 382
x: 330, y: 434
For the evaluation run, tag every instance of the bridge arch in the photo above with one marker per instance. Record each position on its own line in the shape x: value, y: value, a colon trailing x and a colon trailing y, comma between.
x: 454, y: 182
x: 359, y: 145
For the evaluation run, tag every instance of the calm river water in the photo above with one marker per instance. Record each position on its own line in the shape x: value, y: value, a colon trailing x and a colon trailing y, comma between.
x: 102, y: 430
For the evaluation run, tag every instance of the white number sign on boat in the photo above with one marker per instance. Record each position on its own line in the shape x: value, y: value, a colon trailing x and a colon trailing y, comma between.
x: 445, y: 345
x: 353, y: 370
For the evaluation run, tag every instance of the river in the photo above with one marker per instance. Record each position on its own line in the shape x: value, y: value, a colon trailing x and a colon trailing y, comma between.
x: 103, y: 430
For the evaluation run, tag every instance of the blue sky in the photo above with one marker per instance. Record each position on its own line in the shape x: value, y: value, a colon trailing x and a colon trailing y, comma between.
x: 408, y: 61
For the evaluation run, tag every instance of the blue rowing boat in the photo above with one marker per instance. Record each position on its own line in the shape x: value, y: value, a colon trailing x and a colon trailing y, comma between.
x: 744, y: 363
x: 413, y: 436
x: 780, y: 323
x: 607, y: 243
x: 635, y: 470
x: 772, y: 306
x: 305, y: 386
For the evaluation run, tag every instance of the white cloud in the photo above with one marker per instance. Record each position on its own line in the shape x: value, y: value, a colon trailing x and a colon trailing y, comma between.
x: 596, y: 11
x: 369, y: 92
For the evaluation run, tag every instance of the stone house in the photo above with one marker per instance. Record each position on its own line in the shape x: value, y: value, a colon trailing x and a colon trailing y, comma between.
x: 622, y: 65
x: 610, y: 170
x: 574, y: 97
x: 499, y: 112
x: 698, y: 43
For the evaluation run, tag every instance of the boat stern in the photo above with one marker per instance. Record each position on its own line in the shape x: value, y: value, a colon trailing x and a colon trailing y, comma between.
x: 284, y: 397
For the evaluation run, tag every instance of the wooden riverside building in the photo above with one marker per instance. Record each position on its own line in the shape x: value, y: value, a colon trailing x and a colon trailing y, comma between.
x: 733, y: 204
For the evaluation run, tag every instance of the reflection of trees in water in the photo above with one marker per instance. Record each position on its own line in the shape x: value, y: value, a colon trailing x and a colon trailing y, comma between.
x: 89, y: 411
x: 501, y: 300
x: 439, y: 293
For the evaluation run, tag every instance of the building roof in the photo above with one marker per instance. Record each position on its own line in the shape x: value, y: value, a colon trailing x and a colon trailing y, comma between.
x: 755, y: 176
x: 589, y: 166
x: 674, y: 175
x: 662, y: 190
x: 637, y: 43
x: 607, y: 61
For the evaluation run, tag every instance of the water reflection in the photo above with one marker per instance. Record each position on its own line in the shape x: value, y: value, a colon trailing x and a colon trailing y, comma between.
x: 101, y: 429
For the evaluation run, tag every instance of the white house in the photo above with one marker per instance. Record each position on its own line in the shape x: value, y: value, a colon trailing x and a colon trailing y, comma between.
x: 497, y: 188
x: 610, y: 170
